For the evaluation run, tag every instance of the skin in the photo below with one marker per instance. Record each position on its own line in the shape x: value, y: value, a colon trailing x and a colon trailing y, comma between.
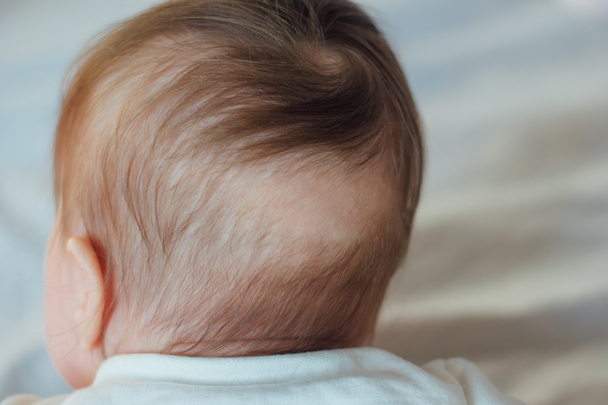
x: 81, y: 332
x: 78, y: 336
x: 74, y: 306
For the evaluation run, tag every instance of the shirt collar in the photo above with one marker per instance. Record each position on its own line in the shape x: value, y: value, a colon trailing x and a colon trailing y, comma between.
x: 245, y: 370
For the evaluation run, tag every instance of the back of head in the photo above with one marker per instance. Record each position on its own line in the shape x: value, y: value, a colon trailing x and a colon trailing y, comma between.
x: 247, y: 169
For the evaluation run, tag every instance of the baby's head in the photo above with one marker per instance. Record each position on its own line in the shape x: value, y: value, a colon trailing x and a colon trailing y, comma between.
x: 233, y: 178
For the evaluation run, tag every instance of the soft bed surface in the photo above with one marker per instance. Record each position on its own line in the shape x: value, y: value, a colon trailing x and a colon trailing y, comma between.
x: 509, y: 259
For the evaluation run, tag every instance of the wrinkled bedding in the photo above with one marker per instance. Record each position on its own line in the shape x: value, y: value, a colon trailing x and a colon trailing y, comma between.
x: 508, y: 264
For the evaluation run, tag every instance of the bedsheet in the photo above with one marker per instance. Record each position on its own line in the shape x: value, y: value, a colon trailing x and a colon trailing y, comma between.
x: 508, y: 264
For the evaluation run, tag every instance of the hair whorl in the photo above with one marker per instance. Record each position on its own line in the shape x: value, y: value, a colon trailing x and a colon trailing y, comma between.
x: 177, y: 118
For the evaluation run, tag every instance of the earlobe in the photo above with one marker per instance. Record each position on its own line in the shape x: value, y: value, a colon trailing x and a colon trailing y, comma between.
x: 89, y: 313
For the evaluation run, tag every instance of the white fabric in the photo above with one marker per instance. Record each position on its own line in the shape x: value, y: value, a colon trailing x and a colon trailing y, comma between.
x: 344, y: 376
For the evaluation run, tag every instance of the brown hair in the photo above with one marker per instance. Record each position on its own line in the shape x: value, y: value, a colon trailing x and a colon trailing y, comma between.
x: 185, y: 127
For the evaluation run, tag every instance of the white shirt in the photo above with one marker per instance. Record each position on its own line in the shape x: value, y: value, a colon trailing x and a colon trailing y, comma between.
x: 344, y: 376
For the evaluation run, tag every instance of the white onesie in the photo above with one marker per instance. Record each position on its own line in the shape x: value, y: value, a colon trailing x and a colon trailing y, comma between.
x: 344, y: 376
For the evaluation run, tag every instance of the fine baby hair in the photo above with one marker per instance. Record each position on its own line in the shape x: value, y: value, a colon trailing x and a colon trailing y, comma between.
x: 247, y: 172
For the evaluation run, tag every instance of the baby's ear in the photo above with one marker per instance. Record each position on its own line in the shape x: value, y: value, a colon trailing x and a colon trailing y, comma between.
x: 89, y: 307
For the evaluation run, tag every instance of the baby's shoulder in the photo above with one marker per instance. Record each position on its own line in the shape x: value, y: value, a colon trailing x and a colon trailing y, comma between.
x: 473, y: 384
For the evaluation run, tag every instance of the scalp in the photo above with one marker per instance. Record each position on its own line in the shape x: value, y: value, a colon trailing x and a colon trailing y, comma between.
x: 248, y: 171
